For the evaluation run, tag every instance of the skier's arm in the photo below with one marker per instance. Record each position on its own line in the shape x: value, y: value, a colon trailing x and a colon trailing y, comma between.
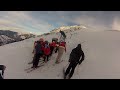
x: 82, y: 58
x: 34, y: 47
x: 70, y: 56
x: 65, y: 48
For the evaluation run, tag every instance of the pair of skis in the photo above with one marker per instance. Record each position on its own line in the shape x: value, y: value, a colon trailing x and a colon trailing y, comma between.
x: 32, y: 69
x: 28, y: 70
x: 32, y: 61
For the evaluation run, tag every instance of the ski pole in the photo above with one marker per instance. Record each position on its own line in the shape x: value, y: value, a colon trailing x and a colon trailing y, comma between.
x: 78, y: 72
x: 66, y: 66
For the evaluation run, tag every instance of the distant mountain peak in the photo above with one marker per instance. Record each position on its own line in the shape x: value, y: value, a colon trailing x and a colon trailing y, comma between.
x: 9, y: 36
x: 64, y: 28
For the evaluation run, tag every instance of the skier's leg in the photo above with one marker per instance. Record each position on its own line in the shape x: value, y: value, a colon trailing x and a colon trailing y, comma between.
x: 47, y: 57
x: 34, y: 60
x: 60, y: 53
x: 2, y: 68
x: 44, y: 57
x: 51, y: 50
x: 37, y: 60
x: 68, y: 69
x: 55, y: 49
x: 58, y: 56
x: 72, y: 71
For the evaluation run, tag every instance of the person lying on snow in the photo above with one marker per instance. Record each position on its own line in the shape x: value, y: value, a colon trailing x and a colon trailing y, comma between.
x: 46, y: 51
x: 76, y: 57
x: 2, y: 69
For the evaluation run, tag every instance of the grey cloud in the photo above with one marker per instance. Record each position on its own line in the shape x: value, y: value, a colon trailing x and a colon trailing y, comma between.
x: 43, y: 21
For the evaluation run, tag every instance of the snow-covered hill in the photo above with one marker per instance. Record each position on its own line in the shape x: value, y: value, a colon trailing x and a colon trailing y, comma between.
x: 5, y: 39
x: 101, y: 50
x: 9, y: 36
x: 69, y: 28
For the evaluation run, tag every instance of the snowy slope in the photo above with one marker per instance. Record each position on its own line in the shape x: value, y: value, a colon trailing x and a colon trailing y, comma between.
x: 101, y: 49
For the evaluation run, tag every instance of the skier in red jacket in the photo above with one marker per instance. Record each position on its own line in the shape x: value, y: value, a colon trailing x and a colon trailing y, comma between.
x: 42, y: 48
x: 46, y: 51
x: 52, y: 47
x: 61, y: 50
x: 42, y: 42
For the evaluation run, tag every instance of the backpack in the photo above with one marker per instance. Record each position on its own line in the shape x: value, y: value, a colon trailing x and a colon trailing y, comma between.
x: 38, y: 48
x: 62, y: 43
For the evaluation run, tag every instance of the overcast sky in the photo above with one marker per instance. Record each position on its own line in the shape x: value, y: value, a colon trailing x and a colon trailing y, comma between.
x: 43, y: 21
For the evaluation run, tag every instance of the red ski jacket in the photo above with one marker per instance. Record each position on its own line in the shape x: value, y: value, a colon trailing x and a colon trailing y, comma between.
x: 47, y: 50
x: 63, y: 44
x: 53, y: 44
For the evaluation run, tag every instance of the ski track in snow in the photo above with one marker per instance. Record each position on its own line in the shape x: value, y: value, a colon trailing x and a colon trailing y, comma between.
x: 101, y: 48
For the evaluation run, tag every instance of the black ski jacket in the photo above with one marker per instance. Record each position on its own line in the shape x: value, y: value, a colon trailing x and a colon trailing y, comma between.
x: 77, y: 55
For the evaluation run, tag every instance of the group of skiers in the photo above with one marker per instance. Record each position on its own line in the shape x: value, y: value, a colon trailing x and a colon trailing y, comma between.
x: 44, y: 49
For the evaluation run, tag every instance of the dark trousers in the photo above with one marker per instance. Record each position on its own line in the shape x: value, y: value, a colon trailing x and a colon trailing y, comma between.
x: 46, y: 57
x: 2, y: 67
x: 70, y: 69
x: 1, y: 76
x: 51, y: 50
x: 56, y: 49
x: 36, y: 60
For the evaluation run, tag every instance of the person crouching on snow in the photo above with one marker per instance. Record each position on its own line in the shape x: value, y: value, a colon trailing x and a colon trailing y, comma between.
x: 46, y: 51
x: 61, y: 49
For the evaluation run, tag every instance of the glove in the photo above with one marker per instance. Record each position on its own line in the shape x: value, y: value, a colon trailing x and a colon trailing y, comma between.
x: 79, y: 63
x: 69, y: 60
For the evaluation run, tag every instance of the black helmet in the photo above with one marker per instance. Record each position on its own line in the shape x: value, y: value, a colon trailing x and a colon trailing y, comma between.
x: 46, y: 42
